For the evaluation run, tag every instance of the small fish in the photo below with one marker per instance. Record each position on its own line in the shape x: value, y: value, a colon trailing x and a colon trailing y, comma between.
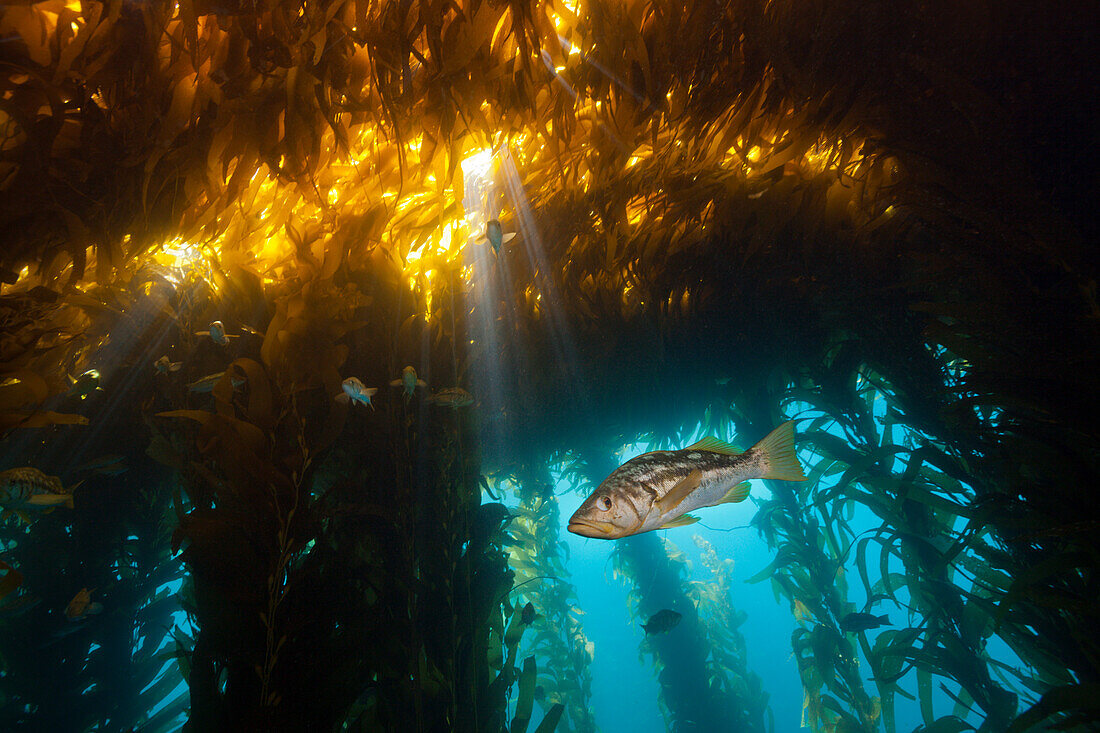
x: 85, y: 384
x: 109, y: 465
x: 164, y: 365
x: 495, y: 236
x: 26, y: 487
x: 452, y: 397
x: 854, y: 623
x: 356, y: 391
x: 217, y: 333
x: 657, y: 489
x: 207, y: 383
x: 662, y: 622
x: 81, y: 605
x: 528, y: 615
x: 408, y: 381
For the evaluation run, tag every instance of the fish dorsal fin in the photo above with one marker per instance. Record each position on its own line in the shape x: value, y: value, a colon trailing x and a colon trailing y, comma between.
x: 740, y: 492
x: 681, y: 521
x: 713, y: 445
x: 679, y: 492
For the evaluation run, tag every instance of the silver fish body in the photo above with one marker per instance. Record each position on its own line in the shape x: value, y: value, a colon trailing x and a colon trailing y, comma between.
x: 657, y: 489
x: 355, y: 391
x: 495, y: 235
x: 408, y: 381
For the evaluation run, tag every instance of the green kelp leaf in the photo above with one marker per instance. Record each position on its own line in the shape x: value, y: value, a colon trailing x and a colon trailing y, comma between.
x: 526, y: 700
x: 892, y: 647
x: 1069, y: 698
x: 550, y: 721
x: 963, y: 701
x: 946, y: 724
x: 924, y: 693
x: 512, y: 636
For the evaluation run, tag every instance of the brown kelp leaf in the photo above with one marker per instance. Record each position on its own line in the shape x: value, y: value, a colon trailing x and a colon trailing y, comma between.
x: 22, y: 388
x: 261, y: 409
x: 18, y: 419
x: 12, y: 579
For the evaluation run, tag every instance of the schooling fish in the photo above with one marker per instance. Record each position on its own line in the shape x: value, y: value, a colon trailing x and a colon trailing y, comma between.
x: 207, y: 383
x: 165, y: 365
x: 495, y: 236
x: 656, y: 489
x: 854, y: 623
x: 661, y: 622
x: 217, y: 333
x: 452, y: 397
x: 85, y: 384
x: 408, y: 381
x: 356, y: 391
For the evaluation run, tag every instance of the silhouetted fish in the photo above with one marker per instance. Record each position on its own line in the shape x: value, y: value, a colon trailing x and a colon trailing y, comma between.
x: 662, y: 622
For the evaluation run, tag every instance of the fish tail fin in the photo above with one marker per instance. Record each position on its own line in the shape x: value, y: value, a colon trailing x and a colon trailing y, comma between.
x: 738, y: 493
x: 645, y: 627
x: 778, y: 450
x: 69, y: 501
x: 885, y: 620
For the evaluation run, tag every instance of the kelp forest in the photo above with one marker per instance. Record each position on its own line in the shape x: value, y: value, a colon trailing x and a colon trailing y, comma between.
x: 313, y: 315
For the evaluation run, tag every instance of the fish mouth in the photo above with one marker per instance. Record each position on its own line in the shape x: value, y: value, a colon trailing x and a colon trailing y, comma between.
x: 591, y: 528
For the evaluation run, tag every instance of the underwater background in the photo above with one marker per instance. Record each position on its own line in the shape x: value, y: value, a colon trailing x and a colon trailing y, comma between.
x: 319, y: 320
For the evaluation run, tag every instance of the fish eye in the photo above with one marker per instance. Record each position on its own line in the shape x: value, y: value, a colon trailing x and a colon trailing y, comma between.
x: 605, y: 502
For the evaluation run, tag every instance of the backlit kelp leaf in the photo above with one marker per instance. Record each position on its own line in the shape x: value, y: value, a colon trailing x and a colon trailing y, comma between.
x: 526, y: 699
x: 512, y: 636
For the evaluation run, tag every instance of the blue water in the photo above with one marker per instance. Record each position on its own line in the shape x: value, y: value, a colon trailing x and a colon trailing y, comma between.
x: 625, y: 691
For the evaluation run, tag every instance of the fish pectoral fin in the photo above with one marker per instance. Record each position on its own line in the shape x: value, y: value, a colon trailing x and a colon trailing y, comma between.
x: 713, y: 445
x: 342, y: 398
x: 50, y: 500
x: 740, y: 492
x: 679, y: 492
x: 681, y: 521
x: 396, y: 383
x: 507, y: 238
x: 778, y: 449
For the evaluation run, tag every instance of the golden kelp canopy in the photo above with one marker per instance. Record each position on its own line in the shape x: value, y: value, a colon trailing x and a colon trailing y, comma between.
x: 271, y: 136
